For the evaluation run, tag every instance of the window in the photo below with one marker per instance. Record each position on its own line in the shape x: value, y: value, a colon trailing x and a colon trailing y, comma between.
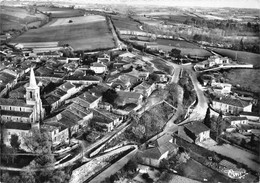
x: 30, y: 94
x: 20, y: 109
x: 10, y: 108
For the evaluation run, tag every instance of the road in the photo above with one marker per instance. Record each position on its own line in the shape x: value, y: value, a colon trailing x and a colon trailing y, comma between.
x: 114, y: 168
x: 199, y: 111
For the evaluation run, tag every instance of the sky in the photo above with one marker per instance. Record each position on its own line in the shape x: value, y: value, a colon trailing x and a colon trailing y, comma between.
x: 188, y: 3
x: 201, y: 3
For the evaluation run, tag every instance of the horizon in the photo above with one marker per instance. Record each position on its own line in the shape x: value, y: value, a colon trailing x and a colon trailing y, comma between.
x: 247, y: 4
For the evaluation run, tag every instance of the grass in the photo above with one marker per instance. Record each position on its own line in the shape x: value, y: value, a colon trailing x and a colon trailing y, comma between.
x: 16, y: 18
x: 125, y: 23
x: 249, y: 78
x: 161, y: 65
x: 81, y: 36
x: 242, y: 56
x: 176, y: 43
x: 194, y: 170
x: 62, y: 12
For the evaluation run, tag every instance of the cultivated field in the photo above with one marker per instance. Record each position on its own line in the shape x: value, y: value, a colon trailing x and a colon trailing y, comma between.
x: 80, y: 34
x: 62, y: 12
x: 125, y: 23
x: 76, y: 20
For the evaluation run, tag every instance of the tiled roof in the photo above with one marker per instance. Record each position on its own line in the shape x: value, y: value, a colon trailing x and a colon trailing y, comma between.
x: 236, y: 118
x: 196, y: 127
x: 98, y: 65
x: 50, y: 99
x: 250, y: 114
x: 13, y: 102
x: 17, y: 126
x: 16, y: 113
x: 99, y: 89
x: 66, y: 86
x: 108, y: 114
x: 231, y: 101
x: 88, y: 97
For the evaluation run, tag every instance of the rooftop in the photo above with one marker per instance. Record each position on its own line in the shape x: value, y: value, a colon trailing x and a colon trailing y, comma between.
x: 231, y: 101
x: 16, y: 113
x: 196, y: 127
x: 14, y: 102
x: 17, y: 126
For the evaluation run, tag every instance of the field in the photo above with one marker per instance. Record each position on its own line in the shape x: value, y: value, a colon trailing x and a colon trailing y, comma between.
x: 16, y: 18
x: 242, y: 56
x: 80, y: 34
x: 62, y: 12
x: 194, y: 170
x: 249, y: 78
x: 124, y: 23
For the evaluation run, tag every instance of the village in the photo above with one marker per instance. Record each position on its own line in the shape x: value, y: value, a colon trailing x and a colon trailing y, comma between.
x: 130, y: 113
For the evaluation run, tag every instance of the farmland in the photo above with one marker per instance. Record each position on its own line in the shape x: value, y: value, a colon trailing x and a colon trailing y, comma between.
x: 62, y: 12
x: 79, y: 33
x: 249, y: 78
x: 125, y: 23
x: 242, y: 56
x: 14, y: 18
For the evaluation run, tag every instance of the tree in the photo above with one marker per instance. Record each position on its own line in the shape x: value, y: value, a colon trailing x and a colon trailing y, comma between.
x: 109, y: 96
x: 219, y: 125
x: 175, y: 53
x: 27, y: 177
x: 39, y: 142
x: 14, y: 141
x: 207, y: 120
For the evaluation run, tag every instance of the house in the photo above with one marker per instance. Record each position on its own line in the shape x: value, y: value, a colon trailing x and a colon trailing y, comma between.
x: 127, y: 54
x: 162, y: 148
x: 65, y: 119
x: 106, y: 119
x: 8, y: 80
x: 59, y: 134
x: 84, y: 80
x: 86, y: 99
x: 231, y: 104
x: 105, y: 58
x: 123, y: 82
x: 236, y: 120
x: 145, y: 88
x: 213, y: 61
x: 128, y: 98
x: 98, y: 68
x: 161, y: 75
x: 252, y: 116
x: 197, y: 131
x: 16, y: 128
x: 221, y: 88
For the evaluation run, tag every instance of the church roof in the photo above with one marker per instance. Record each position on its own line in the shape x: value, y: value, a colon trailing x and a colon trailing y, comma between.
x: 13, y: 102
x: 16, y: 113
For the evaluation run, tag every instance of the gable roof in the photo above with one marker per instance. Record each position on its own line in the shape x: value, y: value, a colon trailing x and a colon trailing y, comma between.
x: 17, y: 126
x: 231, y: 101
x: 14, y: 102
x: 16, y: 113
x: 66, y: 86
x: 196, y: 127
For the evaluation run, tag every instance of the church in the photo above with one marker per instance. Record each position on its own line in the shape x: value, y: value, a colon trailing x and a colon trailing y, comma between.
x: 19, y: 116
